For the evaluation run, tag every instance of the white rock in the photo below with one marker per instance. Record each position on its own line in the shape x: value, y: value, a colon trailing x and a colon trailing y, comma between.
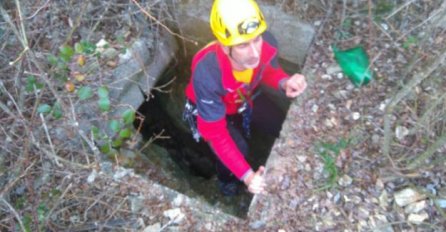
x: 92, y: 176
x: 328, y: 123
x: 415, y: 207
x: 301, y: 158
x: 308, y: 167
x: 379, y: 184
x: 375, y: 138
x: 100, y: 45
x: 362, y: 226
x: 326, y: 77
x: 178, y: 200
x: 340, y: 75
x: 363, y: 213
x: 344, y: 94
x: 209, y: 226
x: 382, y: 106
x: 379, y: 223
x: 136, y: 203
x: 441, y: 203
x: 314, y: 108
x: 345, y: 180
x: 407, y: 196
x: 153, y: 228
x: 385, y: 26
x: 121, y: 172
x: 401, y: 132
x: 357, y: 199
x: 384, y: 200
x: 74, y: 219
x: 334, y: 68
x: 349, y: 103
x: 356, y: 115
x: 418, y: 218
x: 175, y: 215
x: 350, y: 86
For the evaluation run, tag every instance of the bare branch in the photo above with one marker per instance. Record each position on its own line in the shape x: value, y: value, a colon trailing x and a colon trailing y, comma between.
x: 416, y: 80
x: 161, y: 24
x: 49, y: 139
x: 13, y: 211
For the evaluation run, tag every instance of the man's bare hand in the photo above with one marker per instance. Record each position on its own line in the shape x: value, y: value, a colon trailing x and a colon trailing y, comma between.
x: 256, y: 183
x: 295, y: 85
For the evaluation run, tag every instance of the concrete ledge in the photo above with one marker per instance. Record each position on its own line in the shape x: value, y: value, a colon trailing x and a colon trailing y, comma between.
x: 137, y: 71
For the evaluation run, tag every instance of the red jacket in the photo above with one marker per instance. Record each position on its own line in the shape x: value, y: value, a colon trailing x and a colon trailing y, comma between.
x: 213, y: 89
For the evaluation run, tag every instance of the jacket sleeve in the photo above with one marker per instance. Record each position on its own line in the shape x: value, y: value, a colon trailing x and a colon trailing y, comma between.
x: 211, y: 120
x: 272, y: 76
x: 221, y: 142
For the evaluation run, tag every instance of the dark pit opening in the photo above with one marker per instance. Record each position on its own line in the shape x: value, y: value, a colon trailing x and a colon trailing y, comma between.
x: 188, y: 166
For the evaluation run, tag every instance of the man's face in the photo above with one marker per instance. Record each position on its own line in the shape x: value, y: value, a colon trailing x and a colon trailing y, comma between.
x: 246, y: 55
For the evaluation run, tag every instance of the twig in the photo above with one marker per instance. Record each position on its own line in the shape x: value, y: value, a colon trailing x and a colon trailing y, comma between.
x: 31, y: 55
x: 12, y: 183
x: 329, y: 12
x: 22, y: 26
x: 427, y: 113
x: 96, y: 200
x: 439, y: 11
x: 172, y: 221
x: 383, y: 31
x: 152, y: 139
x: 14, y: 212
x: 4, y: 90
x: 49, y: 138
x: 161, y: 24
x: 399, y: 9
x: 429, y: 152
x: 76, y: 124
x: 91, y: 144
x: 113, y: 213
x: 101, y: 17
x: 344, y: 6
x: 369, y: 42
x: 160, y: 88
x: 57, y: 202
x: 7, y: 110
x: 77, y: 23
x: 38, y: 10
x: 56, y: 157
x: 14, y: 29
x: 11, y: 63
x: 417, y: 79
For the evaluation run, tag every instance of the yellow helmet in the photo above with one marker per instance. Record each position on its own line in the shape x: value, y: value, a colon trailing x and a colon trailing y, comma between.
x: 236, y: 21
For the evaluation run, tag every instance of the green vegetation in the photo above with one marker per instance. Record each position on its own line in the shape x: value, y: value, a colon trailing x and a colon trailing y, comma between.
x: 329, y: 152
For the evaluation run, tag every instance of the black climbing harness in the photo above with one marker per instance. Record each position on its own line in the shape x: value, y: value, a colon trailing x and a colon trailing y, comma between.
x: 190, y: 116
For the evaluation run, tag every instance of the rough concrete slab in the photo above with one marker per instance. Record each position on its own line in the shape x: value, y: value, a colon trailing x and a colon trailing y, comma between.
x: 137, y: 72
